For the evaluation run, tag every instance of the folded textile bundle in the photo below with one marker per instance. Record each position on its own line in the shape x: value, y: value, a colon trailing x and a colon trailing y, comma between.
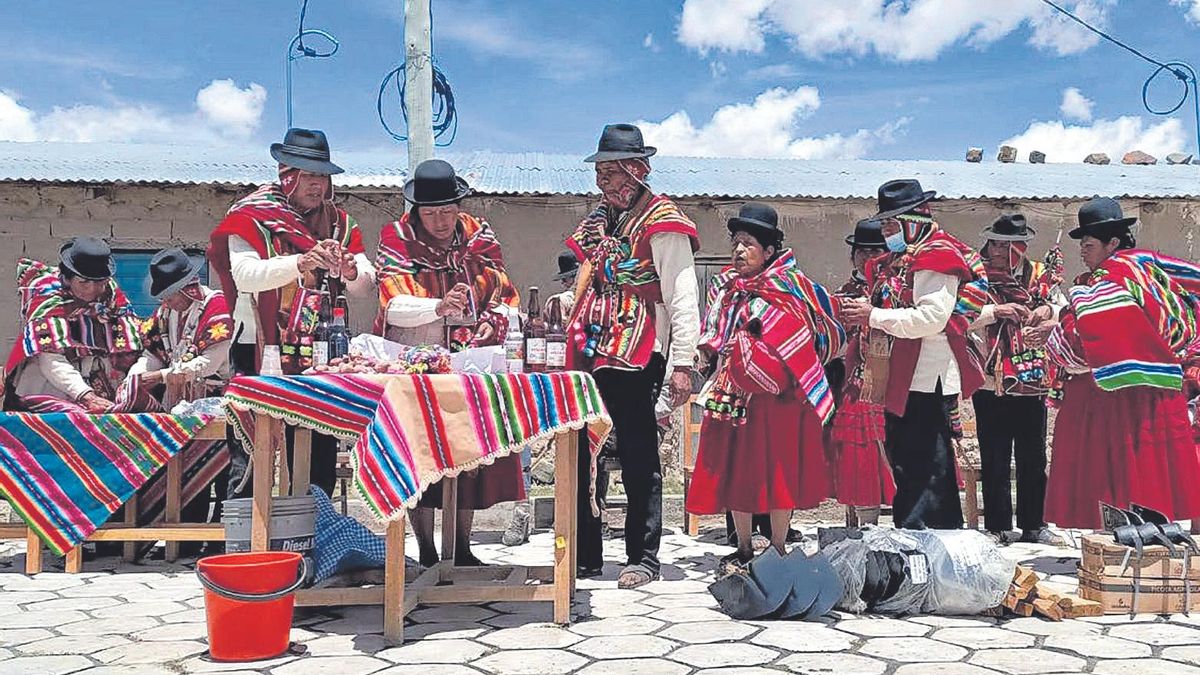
x: 772, y: 586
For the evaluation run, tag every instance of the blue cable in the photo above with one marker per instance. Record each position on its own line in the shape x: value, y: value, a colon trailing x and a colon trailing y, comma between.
x: 298, y: 50
x: 1181, y: 70
x: 445, y: 114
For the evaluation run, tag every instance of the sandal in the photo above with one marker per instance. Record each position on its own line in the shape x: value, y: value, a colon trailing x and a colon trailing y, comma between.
x: 633, y: 577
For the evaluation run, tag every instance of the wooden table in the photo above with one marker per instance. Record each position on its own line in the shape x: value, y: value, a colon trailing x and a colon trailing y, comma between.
x: 442, y: 583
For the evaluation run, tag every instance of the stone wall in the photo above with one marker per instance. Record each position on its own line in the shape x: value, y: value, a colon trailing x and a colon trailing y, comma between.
x: 36, y: 218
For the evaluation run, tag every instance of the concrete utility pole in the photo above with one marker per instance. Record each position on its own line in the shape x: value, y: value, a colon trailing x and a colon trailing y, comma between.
x: 418, y: 81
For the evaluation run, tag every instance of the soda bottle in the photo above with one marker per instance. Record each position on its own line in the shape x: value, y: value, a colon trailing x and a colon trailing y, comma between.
x: 514, y: 347
x: 535, y: 335
x: 339, y: 336
x: 556, y: 338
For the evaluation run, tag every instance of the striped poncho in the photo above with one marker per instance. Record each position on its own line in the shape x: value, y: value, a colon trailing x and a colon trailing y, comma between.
x: 796, y: 319
x: 1133, y: 323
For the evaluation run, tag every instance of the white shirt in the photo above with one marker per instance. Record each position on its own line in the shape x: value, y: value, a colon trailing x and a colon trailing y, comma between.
x: 414, y: 321
x: 253, y: 275
x: 53, y: 375
x: 215, y: 358
x: 987, y: 317
x: 936, y: 295
x: 677, y: 318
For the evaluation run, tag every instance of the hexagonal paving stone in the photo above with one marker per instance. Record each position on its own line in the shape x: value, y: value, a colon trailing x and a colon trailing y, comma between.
x: 203, y: 664
x: 530, y: 662
x: 912, y: 650
x: 706, y: 632
x: 1119, y: 619
x: 1099, y: 646
x: 825, y: 664
x: 746, y: 670
x: 953, y: 621
x: 150, y: 652
x: 618, y: 625
x: 736, y: 654
x: 1027, y: 661
x: 514, y: 620
x: 5, y: 654
x: 139, y: 670
x: 798, y: 636
x: 13, y: 637
x: 615, y: 610
x: 624, y: 646
x: 1039, y: 626
x: 81, y: 604
x: 1157, y: 633
x: 451, y: 630
x: 1144, y: 667
x: 429, y: 669
x: 345, y: 644
x: 983, y: 638
x: 11, y: 598
x: 127, y: 609
x: 186, y: 616
x: 435, y: 651
x: 172, y: 632
x: 78, y: 644
x: 532, y: 636
x: 44, y: 665
x: 341, y: 665
x: 883, y: 627
x: 40, y: 619
x: 636, y: 667
x: 942, y: 669
x: 1185, y: 654
x: 689, y: 615
x: 449, y: 613
x: 103, y: 588
x: 682, y: 600
x: 108, y: 626
x: 663, y: 587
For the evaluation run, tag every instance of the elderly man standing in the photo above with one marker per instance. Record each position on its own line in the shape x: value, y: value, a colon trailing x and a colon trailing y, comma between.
x: 923, y: 297
x: 1010, y: 409
x: 638, y: 302
x: 275, y: 251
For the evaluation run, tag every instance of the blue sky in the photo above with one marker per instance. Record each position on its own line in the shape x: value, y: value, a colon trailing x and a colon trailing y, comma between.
x: 813, y: 78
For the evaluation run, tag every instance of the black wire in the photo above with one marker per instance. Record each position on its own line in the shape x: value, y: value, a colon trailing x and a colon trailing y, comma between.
x: 445, y: 113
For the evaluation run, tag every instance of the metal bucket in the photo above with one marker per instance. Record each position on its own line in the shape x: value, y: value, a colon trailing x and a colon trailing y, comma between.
x: 293, y: 524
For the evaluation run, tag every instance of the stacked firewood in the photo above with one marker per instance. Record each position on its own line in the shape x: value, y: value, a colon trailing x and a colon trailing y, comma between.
x: 1027, y: 595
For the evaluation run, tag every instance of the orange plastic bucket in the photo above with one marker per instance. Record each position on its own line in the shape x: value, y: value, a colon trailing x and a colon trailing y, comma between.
x: 248, y: 600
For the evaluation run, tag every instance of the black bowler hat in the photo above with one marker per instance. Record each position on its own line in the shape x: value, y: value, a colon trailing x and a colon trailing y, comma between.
x: 171, y: 270
x: 620, y: 141
x: 901, y: 196
x: 567, y: 266
x: 868, y: 233
x: 760, y: 220
x: 1009, y: 227
x: 434, y: 183
x: 1101, y: 217
x: 88, y: 258
x: 307, y: 150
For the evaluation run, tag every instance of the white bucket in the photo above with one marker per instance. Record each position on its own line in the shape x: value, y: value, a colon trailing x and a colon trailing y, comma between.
x: 293, y: 523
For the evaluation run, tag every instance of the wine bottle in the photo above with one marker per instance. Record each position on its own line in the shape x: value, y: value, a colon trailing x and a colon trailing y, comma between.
x: 535, y: 334
x: 556, y: 338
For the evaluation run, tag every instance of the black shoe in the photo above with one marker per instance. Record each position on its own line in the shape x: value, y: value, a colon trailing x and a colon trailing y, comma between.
x: 585, y: 572
x: 467, y: 559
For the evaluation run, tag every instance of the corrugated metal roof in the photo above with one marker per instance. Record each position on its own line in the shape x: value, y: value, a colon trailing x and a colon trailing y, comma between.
x: 541, y: 173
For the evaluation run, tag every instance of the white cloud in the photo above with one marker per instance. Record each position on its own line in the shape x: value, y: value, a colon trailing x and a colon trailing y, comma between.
x: 1076, y: 106
x: 1192, y: 7
x: 764, y: 128
x: 1071, y: 143
x: 224, y: 112
x: 912, y: 30
x: 232, y: 108
x: 774, y: 72
x: 650, y: 43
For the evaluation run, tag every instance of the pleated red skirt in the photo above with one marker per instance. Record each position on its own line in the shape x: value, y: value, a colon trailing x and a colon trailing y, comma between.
x: 776, y: 461
x: 863, y: 475
x: 1129, y: 445
x: 490, y: 485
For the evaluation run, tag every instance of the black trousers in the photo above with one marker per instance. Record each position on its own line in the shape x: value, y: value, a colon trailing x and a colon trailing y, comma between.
x: 922, y: 455
x: 1010, y: 426
x: 629, y: 396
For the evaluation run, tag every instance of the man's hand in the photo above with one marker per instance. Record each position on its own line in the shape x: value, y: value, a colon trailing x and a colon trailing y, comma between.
x: 1036, y: 336
x: 1012, y: 312
x: 96, y: 404
x: 152, y: 378
x: 349, y: 266
x: 316, y: 258
x: 455, y: 302
x: 855, y: 312
x: 484, y: 333
x: 1040, y: 315
x: 680, y: 383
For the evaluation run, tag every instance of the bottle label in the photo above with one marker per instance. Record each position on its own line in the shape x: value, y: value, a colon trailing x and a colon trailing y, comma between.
x: 516, y: 366
x: 514, y: 350
x: 320, y: 352
x: 535, y: 351
x: 556, y: 355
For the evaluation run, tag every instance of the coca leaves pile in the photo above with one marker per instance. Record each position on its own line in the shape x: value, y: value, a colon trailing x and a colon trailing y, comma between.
x: 428, y: 359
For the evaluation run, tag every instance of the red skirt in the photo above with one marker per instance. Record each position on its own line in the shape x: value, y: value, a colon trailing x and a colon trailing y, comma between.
x: 773, y: 462
x: 490, y: 485
x: 1129, y: 445
x: 864, y: 477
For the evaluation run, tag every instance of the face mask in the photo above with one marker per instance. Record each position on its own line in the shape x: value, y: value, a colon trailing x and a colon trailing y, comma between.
x: 895, y: 242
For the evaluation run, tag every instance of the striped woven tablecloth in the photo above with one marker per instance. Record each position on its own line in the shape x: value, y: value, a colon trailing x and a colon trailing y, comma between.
x: 414, y: 430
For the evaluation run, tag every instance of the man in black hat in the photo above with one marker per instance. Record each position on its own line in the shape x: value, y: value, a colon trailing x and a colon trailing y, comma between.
x: 276, y: 252
x: 79, y: 333
x: 1010, y: 409
x: 638, y: 302
x: 923, y: 296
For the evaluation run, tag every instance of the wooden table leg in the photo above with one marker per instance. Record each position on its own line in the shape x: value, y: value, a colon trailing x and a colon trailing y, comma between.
x: 264, y: 474
x: 129, y: 548
x: 393, y: 583
x: 174, y: 499
x: 74, y: 561
x: 302, y: 462
x: 573, y: 498
x: 33, y: 552
x: 449, y: 517
x: 564, y: 513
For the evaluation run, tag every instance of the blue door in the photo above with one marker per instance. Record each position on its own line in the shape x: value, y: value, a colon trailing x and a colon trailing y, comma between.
x: 133, y: 277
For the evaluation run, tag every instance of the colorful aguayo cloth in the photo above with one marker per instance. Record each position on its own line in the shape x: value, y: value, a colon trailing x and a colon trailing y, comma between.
x: 66, y: 473
x: 414, y: 430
